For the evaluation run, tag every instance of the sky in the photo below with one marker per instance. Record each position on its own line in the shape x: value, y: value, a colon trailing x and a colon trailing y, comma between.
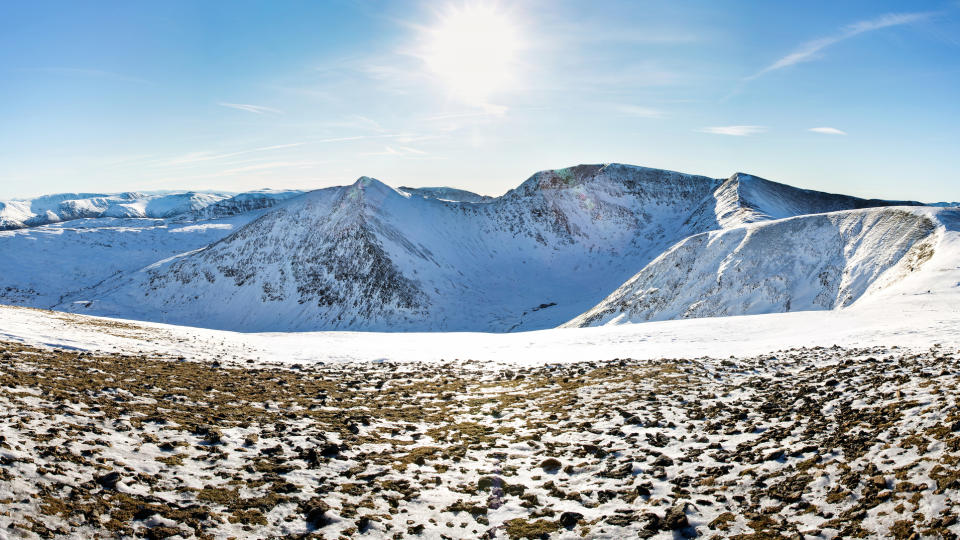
x: 857, y: 97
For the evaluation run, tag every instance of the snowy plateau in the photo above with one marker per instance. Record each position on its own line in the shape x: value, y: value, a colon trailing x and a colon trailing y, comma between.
x: 605, y: 351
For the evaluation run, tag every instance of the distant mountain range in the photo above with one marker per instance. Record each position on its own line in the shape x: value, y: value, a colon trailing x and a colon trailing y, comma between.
x: 585, y: 245
x: 20, y: 214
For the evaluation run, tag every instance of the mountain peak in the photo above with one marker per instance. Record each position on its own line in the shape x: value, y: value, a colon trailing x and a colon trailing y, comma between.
x: 371, y: 186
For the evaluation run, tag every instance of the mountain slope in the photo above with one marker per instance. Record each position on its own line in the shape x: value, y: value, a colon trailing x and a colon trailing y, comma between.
x: 43, y: 264
x: 49, y: 209
x: 744, y: 198
x: 811, y: 262
x: 447, y: 194
x: 241, y: 203
x: 369, y: 257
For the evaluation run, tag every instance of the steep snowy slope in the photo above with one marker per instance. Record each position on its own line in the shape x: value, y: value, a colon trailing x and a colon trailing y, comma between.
x: 48, y: 209
x: 369, y: 257
x: 447, y: 194
x: 811, y: 262
x: 41, y: 265
x: 744, y: 198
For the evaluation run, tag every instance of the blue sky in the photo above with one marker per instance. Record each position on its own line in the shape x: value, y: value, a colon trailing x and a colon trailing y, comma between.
x: 116, y: 96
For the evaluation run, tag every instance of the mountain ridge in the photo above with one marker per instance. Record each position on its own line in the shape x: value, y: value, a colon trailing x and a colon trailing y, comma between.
x: 188, y: 205
x: 806, y: 262
x: 368, y: 256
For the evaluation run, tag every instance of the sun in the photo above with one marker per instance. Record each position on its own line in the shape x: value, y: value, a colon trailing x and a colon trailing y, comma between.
x: 473, y: 51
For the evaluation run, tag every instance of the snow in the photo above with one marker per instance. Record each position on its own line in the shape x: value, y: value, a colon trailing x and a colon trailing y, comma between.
x: 908, y: 320
x: 374, y: 258
x: 109, y: 235
x: 821, y: 261
x: 371, y: 257
x: 53, y: 260
x: 447, y: 194
x: 882, y: 283
x: 48, y: 209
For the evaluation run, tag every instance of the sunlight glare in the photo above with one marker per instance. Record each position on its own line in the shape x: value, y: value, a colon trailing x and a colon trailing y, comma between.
x: 473, y: 51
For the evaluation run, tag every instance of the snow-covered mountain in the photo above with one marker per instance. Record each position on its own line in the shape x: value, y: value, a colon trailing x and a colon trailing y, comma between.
x: 240, y: 203
x: 370, y: 257
x: 744, y: 198
x: 367, y: 256
x: 23, y: 213
x: 447, y: 194
x: 810, y: 262
x: 42, y: 264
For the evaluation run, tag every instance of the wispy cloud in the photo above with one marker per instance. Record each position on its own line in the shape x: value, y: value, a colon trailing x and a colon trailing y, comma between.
x: 195, y: 157
x: 396, y: 150
x: 449, y: 116
x: 357, y: 122
x: 811, y: 50
x: 736, y: 131
x: 270, y: 166
x: 640, y: 112
x: 401, y: 137
x: 255, y: 109
x: 345, y: 139
x: 410, y: 150
x: 827, y: 131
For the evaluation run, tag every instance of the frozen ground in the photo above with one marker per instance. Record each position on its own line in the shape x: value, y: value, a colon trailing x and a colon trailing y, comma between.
x: 915, y: 322
x: 807, y: 443
x: 709, y: 427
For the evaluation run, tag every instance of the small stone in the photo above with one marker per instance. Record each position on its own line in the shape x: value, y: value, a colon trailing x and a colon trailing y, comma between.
x: 662, y: 461
x: 316, y: 513
x: 569, y: 520
x: 653, y: 524
x: 643, y: 490
x: 550, y: 464
x: 109, y: 480
x: 485, y: 483
x: 330, y: 450
x: 676, y: 518
x: 159, y: 533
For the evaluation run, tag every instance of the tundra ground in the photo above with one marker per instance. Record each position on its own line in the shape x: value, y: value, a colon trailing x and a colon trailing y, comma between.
x: 801, y: 443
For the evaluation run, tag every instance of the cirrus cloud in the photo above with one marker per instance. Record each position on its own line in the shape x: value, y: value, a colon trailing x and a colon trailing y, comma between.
x: 736, y: 131
x: 255, y: 109
x: 828, y: 131
x: 811, y: 50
